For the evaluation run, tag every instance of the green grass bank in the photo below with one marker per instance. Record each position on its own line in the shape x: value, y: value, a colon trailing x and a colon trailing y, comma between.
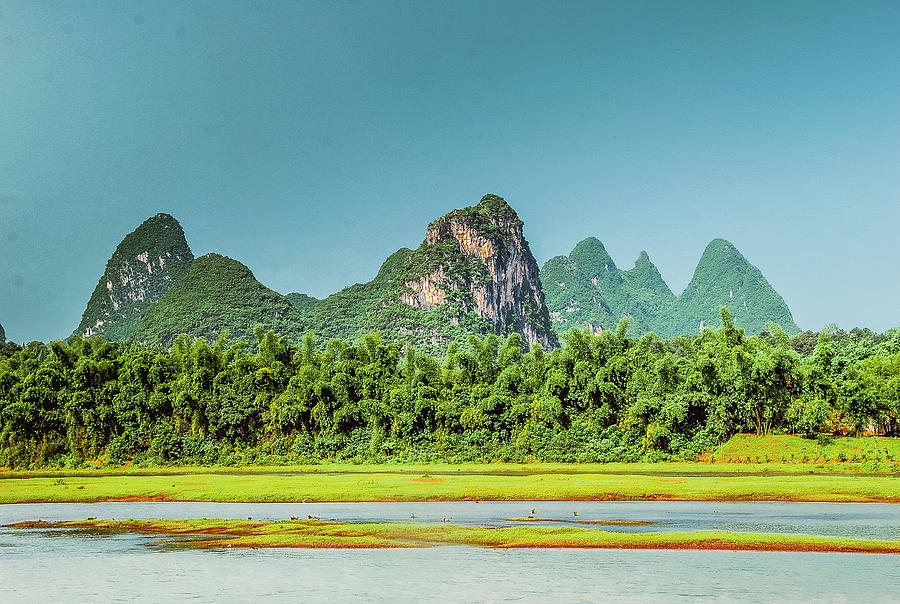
x: 746, y: 468
x: 436, y: 484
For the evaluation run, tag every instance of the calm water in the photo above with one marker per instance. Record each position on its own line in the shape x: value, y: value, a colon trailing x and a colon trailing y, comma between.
x: 53, y: 565
x: 864, y: 520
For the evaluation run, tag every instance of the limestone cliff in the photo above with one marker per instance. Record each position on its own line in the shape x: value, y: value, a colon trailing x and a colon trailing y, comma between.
x: 472, y: 275
x: 2, y: 335
x: 143, y: 267
x: 477, y: 260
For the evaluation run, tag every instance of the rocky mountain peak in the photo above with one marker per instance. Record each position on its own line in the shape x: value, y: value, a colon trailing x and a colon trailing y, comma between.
x: 145, y: 264
x: 477, y: 260
x: 2, y: 335
x: 500, y: 212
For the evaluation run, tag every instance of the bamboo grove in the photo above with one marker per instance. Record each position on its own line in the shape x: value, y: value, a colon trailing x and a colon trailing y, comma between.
x: 598, y: 398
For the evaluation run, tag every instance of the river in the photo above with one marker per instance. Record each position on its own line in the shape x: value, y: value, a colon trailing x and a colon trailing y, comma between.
x: 53, y: 565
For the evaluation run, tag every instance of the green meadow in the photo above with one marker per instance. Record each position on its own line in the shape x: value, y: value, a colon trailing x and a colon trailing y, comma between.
x: 440, y: 484
x: 746, y: 468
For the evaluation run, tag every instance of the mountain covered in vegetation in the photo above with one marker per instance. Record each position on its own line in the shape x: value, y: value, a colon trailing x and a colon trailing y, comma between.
x: 148, y: 261
x: 587, y: 290
x: 473, y: 274
x: 301, y: 302
x: 723, y: 277
x: 218, y: 294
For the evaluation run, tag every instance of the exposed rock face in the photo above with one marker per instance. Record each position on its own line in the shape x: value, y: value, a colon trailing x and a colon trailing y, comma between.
x: 144, y: 266
x: 477, y: 260
x: 2, y: 335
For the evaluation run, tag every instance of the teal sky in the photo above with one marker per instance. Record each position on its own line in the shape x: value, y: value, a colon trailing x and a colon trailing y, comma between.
x: 311, y: 139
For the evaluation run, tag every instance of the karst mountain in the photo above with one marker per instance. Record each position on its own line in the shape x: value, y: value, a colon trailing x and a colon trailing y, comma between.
x: 473, y: 274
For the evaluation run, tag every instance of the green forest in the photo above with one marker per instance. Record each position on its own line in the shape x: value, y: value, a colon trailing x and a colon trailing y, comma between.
x: 599, y: 398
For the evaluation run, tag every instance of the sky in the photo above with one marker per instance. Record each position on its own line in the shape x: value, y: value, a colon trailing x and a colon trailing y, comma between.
x: 310, y: 140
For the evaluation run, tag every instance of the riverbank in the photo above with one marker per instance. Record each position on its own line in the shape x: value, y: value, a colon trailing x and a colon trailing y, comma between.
x: 662, y: 482
x: 215, y: 534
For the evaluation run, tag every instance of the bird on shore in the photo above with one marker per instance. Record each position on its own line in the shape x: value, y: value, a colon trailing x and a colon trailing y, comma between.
x: 413, y: 515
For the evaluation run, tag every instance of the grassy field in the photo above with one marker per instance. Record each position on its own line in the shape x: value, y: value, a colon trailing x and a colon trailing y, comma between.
x: 590, y: 482
x: 746, y: 468
x: 313, y: 534
x: 868, y: 452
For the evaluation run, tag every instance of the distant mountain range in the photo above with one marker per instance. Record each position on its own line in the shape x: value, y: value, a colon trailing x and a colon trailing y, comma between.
x: 587, y: 289
x: 474, y: 273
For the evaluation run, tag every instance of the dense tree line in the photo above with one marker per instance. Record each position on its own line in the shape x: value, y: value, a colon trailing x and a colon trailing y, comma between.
x: 598, y: 398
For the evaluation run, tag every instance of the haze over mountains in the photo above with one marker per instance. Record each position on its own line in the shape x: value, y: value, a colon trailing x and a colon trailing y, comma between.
x: 474, y: 273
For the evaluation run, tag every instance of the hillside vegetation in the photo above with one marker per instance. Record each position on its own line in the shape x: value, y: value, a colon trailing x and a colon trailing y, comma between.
x: 217, y: 295
x: 587, y: 289
x: 600, y: 398
x: 376, y: 307
x: 301, y: 302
